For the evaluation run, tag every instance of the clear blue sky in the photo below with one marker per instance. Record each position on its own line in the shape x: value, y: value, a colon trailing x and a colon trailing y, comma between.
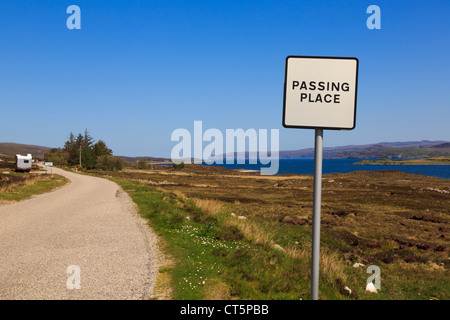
x: 137, y: 70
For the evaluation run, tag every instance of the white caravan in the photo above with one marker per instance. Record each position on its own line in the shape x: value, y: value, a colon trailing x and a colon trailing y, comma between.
x: 23, y: 163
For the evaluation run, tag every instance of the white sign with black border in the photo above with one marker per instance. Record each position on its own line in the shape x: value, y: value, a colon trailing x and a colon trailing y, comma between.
x: 320, y: 92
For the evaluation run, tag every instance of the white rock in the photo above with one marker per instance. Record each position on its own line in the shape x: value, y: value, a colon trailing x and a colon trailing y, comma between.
x: 348, y: 290
x: 242, y: 217
x: 357, y: 265
x: 371, y: 288
x: 233, y: 214
x: 278, y: 247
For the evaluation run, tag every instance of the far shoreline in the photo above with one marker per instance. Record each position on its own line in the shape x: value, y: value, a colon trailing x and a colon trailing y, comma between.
x: 434, y: 161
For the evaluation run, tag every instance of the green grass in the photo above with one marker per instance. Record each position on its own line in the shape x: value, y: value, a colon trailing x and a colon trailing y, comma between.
x: 190, y: 242
x: 25, y: 188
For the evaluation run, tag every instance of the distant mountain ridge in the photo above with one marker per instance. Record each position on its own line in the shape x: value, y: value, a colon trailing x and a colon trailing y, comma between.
x: 444, y: 145
x: 393, y: 150
x: 11, y: 149
x: 136, y: 159
x: 401, y: 150
x: 380, y: 151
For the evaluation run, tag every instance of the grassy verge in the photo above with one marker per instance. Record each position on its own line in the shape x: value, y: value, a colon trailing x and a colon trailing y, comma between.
x: 220, y: 255
x: 16, y: 187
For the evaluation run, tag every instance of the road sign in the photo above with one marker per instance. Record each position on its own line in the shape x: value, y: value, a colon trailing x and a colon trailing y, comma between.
x: 319, y: 93
x: 48, y: 164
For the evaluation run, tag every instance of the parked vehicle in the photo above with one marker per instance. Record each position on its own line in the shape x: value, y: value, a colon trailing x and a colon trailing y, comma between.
x: 23, y: 163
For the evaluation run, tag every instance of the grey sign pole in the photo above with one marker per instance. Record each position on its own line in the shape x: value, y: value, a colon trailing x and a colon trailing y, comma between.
x: 302, y: 113
x: 318, y: 152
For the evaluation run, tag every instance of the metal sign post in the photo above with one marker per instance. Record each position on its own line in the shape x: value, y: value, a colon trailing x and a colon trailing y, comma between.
x: 319, y: 93
x: 318, y: 153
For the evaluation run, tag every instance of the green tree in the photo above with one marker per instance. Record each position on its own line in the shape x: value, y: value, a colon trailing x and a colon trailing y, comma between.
x: 90, y: 151
x: 109, y: 163
x: 87, y: 140
x: 57, y: 156
x: 88, y: 154
x: 118, y: 164
x: 72, y: 147
x: 101, y: 149
x: 88, y: 158
x: 142, y: 164
x: 179, y: 166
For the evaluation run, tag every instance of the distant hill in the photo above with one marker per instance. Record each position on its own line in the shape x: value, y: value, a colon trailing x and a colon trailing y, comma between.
x: 11, y: 149
x: 419, y: 144
x: 380, y: 151
x: 443, y: 145
x: 148, y: 159
x: 400, y: 150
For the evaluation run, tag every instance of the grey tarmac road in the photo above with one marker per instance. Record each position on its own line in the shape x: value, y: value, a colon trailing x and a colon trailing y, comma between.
x: 89, y: 223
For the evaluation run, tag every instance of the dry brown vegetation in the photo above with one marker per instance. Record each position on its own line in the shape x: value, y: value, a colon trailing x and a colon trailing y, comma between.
x: 8, y: 182
x: 397, y: 220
